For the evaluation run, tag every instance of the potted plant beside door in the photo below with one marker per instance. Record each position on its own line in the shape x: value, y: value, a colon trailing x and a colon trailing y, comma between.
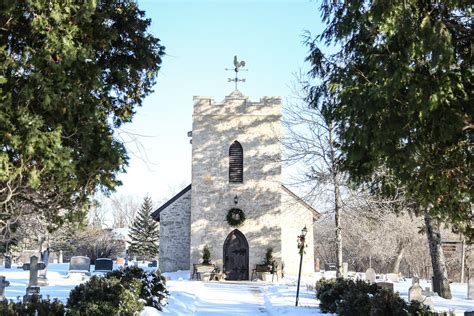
x: 206, y: 270
x: 271, y: 266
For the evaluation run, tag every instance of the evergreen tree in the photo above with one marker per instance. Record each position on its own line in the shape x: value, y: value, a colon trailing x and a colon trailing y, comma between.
x: 71, y: 73
x: 399, y: 88
x: 144, y: 233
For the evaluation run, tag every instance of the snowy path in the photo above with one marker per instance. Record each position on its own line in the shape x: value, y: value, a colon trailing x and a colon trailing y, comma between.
x: 216, y: 298
x: 228, y: 299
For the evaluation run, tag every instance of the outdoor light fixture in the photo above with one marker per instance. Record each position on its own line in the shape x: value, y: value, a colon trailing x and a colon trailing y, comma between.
x: 304, y: 231
x: 236, y: 199
x: 301, y: 240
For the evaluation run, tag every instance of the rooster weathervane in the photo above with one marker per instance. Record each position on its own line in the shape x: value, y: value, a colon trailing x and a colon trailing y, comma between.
x: 238, y: 67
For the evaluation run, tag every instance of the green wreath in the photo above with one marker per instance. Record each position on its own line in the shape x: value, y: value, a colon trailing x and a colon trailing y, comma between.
x: 235, y: 217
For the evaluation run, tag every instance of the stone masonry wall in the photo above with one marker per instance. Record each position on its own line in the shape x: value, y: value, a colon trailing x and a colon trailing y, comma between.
x: 294, y: 217
x: 256, y: 126
x: 174, y: 235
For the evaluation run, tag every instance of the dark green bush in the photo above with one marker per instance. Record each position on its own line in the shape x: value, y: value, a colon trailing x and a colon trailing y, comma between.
x: 348, y: 298
x: 152, y: 289
x: 44, y: 307
x: 105, y: 296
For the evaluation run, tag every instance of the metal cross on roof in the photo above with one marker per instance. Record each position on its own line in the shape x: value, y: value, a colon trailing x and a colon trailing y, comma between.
x: 238, y: 66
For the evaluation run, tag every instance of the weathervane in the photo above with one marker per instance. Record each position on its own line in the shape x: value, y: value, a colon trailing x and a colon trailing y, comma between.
x: 238, y: 65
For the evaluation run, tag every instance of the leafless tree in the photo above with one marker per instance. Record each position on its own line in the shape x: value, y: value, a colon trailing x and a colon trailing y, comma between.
x: 311, y: 142
x: 124, y: 208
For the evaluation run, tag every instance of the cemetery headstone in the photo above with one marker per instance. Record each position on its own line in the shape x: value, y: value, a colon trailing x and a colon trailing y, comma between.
x: 330, y: 267
x: 345, y: 269
x: 153, y: 264
x: 415, y: 293
x: 34, y: 266
x: 60, y: 259
x: 104, y: 264
x: 470, y: 288
x: 317, y: 265
x: 2, y: 258
x: 31, y: 291
x: 385, y: 285
x: 135, y: 263
x: 370, y: 275
x: 415, y: 280
x: 120, y: 261
x: 42, y: 279
x: 427, y: 291
x: 3, y: 285
x: 8, y: 262
x: 393, y: 277
x: 80, y: 264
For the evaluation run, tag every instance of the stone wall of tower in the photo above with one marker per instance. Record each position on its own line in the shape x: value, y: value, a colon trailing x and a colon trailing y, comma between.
x: 174, y: 235
x: 256, y: 126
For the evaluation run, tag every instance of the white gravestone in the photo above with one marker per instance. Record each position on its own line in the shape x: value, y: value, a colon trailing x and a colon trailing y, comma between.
x: 345, y: 269
x: 370, y: 275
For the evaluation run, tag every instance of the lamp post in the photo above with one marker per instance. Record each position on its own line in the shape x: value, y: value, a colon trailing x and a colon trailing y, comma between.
x: 301, y: 240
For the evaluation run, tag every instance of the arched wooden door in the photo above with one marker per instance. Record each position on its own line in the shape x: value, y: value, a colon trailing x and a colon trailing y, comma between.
x: 236, y: 256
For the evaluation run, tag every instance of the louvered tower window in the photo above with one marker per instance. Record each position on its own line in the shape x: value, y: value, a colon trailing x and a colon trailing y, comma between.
x: 236, y: 163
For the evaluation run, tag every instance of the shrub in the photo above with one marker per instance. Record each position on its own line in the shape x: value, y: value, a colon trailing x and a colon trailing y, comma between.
x: 349, y: 298
x: 105, y: 296
x: 35, y: 306
x: 152, y: 284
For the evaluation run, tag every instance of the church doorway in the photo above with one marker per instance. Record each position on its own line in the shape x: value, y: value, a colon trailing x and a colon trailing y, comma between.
x: 236, y: 256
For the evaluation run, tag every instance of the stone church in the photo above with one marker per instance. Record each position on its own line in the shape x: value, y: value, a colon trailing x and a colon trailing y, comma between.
x: 236, y: 203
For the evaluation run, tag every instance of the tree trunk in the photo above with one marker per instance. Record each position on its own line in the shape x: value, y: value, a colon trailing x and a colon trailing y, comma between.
x: 398, y: 259
x: 440, y: 273
x: 337, y: 199
x: 337, y: 209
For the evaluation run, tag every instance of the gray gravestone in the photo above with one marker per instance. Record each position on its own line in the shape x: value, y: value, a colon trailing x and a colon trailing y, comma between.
x: 415, y: 280
x: 330, y: 267
x: 427, y: 291
x: 385, y: 285
x: 80, y: 264
x: 2, y: 259
x: 415, y: 293
x: 393, y: 277
x: 3, y: 285
x: 470, y: 288
x: 104, y: 264
x: 31, y: 291
x: 8, y: 262
x: 153, y: 264
x: 33, y: 267
x: 42, y: 279
x: 345, y: 269
x: 370, y: 275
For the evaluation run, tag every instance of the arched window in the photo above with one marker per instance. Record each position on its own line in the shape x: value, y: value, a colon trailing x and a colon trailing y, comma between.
x: 236, y: 163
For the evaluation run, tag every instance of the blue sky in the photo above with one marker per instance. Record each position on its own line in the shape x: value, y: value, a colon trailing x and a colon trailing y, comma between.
x: 201, y: 39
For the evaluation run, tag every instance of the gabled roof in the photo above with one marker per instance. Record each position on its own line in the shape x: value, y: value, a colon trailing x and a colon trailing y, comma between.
x: 316, y: 214
x: 156, y: 214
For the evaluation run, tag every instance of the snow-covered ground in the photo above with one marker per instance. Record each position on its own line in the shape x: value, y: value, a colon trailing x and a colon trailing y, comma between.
x: 225, y: 298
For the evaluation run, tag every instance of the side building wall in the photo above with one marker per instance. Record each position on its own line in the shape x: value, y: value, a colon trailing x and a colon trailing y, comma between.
x: 294, y: 217
x: 174, y: 235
